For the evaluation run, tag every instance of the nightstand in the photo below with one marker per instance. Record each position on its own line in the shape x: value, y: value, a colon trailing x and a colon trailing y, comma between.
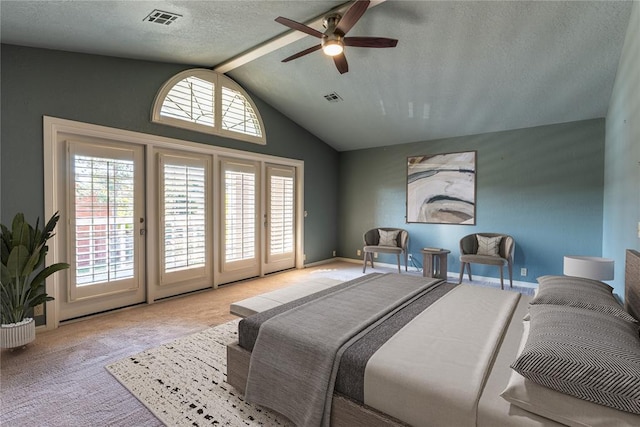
x: 434, y: 262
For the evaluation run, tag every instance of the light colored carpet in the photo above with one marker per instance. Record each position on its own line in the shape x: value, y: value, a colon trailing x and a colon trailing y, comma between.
x: 183, y: 383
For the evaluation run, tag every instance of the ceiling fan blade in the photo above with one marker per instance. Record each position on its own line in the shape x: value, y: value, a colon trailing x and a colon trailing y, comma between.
x: 341, y: 63
x: 302, y: 53
x: 298, y: 26
x: 370, y: 42
x: 352, y: 16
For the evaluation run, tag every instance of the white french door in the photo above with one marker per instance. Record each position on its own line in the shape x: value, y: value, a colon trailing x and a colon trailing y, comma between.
x: 280, y: 218
x: 145, y: 217
x: 240, y: 222
x: 258, y: 229
x: 184, y: 223
x: 105, y: 227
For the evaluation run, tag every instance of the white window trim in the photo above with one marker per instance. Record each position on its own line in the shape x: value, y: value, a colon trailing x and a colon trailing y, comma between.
x: 56, y: 130
x: 219, y: 80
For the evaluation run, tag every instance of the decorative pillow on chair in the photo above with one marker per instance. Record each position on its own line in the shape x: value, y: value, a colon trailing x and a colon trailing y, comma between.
x: 488, y: 245
x: 388, y: 238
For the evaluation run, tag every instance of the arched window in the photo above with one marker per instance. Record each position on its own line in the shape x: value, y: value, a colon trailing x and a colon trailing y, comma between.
x: 205, y: 101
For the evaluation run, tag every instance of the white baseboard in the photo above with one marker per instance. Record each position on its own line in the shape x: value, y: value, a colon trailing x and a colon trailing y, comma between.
x: 452, y: 276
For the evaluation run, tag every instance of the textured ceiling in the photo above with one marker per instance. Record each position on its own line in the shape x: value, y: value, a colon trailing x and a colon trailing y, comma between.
x: 460, y: 68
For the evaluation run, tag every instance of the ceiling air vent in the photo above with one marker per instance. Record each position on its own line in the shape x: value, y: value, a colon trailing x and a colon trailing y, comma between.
x: 162, y: 17
x: 333, y: 97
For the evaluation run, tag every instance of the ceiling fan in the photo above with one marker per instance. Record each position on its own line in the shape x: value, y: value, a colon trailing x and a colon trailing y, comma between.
x: 333, y: 40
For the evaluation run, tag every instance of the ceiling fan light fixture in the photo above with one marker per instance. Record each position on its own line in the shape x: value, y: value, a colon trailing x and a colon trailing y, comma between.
x: 333, y: 47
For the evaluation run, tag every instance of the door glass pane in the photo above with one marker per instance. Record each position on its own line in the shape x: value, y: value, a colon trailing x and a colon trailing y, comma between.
x: 281, y: 215
x: 184, y: 217
x: 239, y: 213
x: 105, y: 221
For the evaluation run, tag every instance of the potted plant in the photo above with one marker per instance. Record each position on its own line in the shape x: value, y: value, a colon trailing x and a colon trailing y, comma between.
x: 22, y: 281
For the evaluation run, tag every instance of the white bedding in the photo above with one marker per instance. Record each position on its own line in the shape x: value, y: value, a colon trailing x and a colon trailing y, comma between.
x: 432, y: 372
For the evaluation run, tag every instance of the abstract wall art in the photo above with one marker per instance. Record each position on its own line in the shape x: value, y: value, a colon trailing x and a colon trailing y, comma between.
x: 441, y: 188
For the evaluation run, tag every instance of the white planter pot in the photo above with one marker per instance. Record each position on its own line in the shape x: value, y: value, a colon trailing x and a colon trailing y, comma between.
x: 17, y: 334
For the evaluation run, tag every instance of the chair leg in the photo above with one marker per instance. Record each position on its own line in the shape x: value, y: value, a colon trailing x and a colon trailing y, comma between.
x: 501, y: 278
x: 469, y: 271
x: 406, y: 261
x: 510, y: 275
x: 398, y: 255
x: 461, y: 272
x: 364, y: 267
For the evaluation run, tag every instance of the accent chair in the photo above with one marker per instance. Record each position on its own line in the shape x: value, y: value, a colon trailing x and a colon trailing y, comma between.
x: 387, y: 241
x: 489, y: 249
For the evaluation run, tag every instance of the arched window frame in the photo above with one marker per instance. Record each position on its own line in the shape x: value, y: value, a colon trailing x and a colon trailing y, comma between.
x: 219, y: 81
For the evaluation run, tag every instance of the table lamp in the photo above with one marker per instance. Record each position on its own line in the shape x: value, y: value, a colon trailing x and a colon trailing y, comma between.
x: 589, y: 267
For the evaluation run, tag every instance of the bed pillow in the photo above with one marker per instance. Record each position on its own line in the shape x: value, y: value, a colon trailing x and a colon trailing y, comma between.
x: 583, y: 353
x: 560, y: 407
x: 579, y: 292
x: 388, y: 238
x: 488, y: 245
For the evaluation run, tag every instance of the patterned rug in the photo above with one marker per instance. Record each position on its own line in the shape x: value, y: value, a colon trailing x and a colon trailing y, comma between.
x: 184, y: 382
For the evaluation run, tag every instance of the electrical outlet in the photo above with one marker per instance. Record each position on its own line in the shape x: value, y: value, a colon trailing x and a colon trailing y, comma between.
x: 334, y: 253
x: 358, y: 252
x: 410, y: 257
x: 523, y: 272
x: 38, y: 310
x: 375, y: 254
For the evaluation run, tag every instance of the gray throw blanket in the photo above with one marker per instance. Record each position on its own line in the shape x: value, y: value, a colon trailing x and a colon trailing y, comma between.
x: 293, y: 364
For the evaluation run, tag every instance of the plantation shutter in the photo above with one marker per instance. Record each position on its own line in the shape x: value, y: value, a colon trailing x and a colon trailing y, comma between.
x: 104, y: 219
x: 281, y: 219
x: 238, y: 114
x: 192, y: 100
x: 239, y: 212
x: 183, y: 210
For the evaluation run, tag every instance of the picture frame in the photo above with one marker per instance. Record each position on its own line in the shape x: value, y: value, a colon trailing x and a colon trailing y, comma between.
x: 441, y: 188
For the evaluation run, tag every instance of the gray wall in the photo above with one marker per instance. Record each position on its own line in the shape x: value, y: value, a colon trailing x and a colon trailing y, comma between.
x: 621, y: 227
x: 119, y: 93
x: 542, y: 185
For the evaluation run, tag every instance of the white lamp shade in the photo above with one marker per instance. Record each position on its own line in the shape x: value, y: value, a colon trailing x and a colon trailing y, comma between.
x: 588, y: 267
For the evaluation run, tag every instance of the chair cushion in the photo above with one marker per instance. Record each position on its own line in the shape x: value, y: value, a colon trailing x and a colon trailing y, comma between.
x: 483, y: 259
x: 383, y: 249
x: 488, y: 245
x: 388, y: 238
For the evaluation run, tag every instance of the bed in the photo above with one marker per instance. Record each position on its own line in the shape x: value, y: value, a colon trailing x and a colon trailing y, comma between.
x: 442, y: 355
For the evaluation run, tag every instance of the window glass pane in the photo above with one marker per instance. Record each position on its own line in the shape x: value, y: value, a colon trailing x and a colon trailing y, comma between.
x: 240, y: 211
x: 191, y: 99
x: 104, y: 219
x: 184, y: 217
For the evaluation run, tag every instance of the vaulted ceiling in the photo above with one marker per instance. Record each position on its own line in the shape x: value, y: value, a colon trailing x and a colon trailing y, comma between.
x: 459, y: 68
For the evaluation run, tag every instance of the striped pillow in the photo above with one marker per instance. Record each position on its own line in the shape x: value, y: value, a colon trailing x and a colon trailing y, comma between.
x: 579, y: 292
x: 488, y: 245
x: 583, y: 353
x: 388, y: 238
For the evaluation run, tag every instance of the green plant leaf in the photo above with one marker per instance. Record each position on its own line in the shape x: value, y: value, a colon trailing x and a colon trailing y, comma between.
x: 21, y: 234
x: 18, y: 258
x: 48, y: 271
x: 5, y: 243
x: 5, y: 276
x: 23, y: 251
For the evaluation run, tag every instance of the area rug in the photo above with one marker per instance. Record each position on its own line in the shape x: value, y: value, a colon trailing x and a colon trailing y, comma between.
x: 184, y: 382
